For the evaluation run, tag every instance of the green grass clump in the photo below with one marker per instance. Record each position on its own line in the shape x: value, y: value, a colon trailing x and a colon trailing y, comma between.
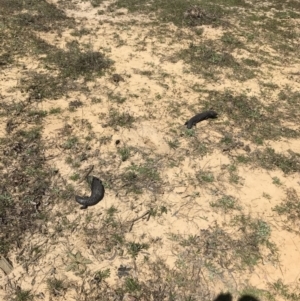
x: 138, y: 177
x: 290, y: 209
x: 269, y: 159
x: 26, y: 150
x: 124, y: 153
x: 226, y: 203
x: 40, y: 86
x: 22, y: 295
x: 205, y: 176
x: 120, y: 119
x: 166, y: 11
x: 56, y: 286
x: 134, y: 248
x: 256, y: 120
x: 75, y: 62
x: 285, y: 291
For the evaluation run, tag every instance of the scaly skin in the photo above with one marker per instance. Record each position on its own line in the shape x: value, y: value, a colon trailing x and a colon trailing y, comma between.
x: 96, y: 196
x: 199, y: 117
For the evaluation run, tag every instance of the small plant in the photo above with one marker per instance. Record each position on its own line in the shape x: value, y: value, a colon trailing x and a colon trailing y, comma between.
x: 266, y: 196
x: 196, y: 146
x: 260, y: 294
x: 174, y: 108
x: 251, y: 63
x: 75, y: 104
x: 70, y: 143
x: 190, y: 132
x: 116, y: 98
x: 262, y: 231
x: 88, y: 138
x: 75, y: 163
x: 67, y: 192
x: 56, y: 110
x: 290, y: 207
x: 132, y: 285
x: 6, y: 59
x: 134, y: 248
x: 96, y: 3
x: 256, y: 234
x: 174, y: 143
x: 80, y: 32
x: 227, y: 139
x: 226, y: 203
x: 56, y: 286
x: 22, y: 295
x: 137, y: 177
x: 163, y: 209
x: 192, y: 240
x: 77, y: 262
x: 37, y: 114
x: 117, y: 239
x: 158, y: 96
x: 105, y: 139
x: 284, y: 291
x: 110, y: 219
x: 75, y: 177
x: 158, y: 211
x: 243, y: 159
x: 102, y: 275
x: 276, y: 181
x: 124, y: 153
x: 231, y: 41
x: 111, y: 210
x: 31, y: 135
x: 205, y: 176
x: 120, y: 119
x: 258, y: 231
x: 96, y: 100
x: 233, y: 176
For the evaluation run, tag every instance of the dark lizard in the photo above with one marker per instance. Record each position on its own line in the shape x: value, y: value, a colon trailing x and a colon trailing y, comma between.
x: 96, y: 196
x: 199, y: 117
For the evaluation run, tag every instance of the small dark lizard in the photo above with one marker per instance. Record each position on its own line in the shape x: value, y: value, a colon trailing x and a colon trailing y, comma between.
x: 199, y: 117
x: 96, y: 196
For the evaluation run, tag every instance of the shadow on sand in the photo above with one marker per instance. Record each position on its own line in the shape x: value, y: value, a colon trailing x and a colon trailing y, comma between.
x: 228, y: 297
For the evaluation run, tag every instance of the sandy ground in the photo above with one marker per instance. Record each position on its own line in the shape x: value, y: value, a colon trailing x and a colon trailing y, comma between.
x: 188, y: 205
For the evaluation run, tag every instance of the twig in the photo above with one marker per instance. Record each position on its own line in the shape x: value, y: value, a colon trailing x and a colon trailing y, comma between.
x: 5, y: 265
x: 86, y: 174
x: 148, y: 212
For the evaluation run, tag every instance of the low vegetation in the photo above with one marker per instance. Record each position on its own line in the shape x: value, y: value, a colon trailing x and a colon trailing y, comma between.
x: 177, y: 221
